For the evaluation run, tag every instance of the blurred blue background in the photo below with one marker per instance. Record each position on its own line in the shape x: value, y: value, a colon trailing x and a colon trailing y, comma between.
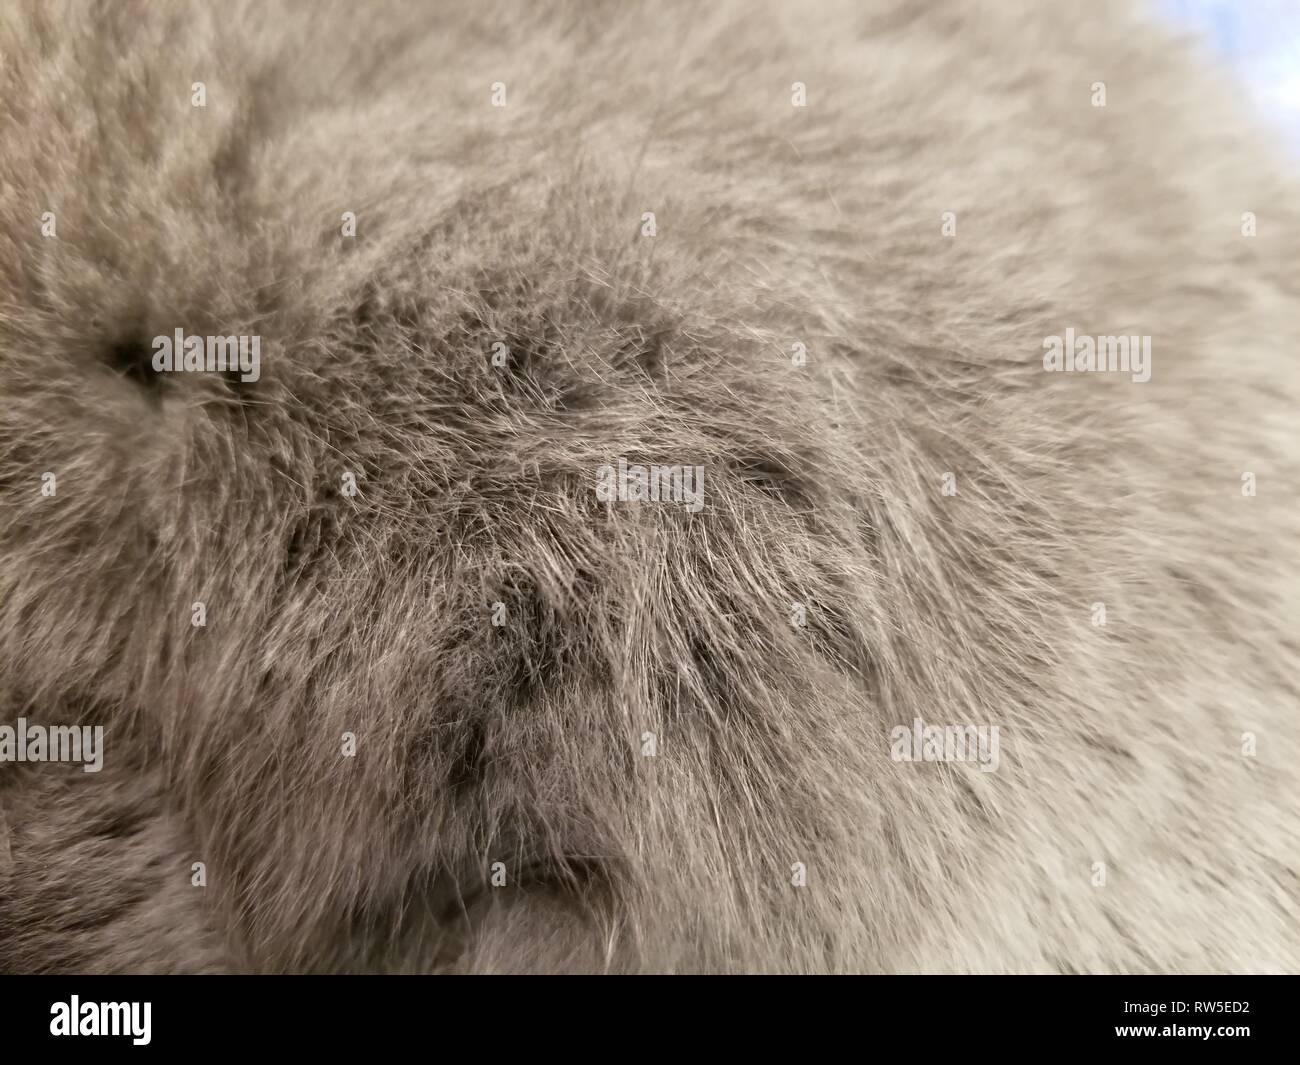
x: 1261, y: 39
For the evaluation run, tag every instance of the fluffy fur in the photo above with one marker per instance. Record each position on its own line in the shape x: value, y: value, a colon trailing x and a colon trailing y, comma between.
x: 522, y: 743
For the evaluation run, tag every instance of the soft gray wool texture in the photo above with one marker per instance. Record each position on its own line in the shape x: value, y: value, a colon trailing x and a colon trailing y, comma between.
x: 524, y: 743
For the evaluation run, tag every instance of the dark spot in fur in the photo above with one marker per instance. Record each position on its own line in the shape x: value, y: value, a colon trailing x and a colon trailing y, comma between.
x: 309, y: 544
x: 710, y: 664
x: 366, y: 313
x: 533, y: 631
x: 1114, y: 750
x: 117, y: 824
x: 969, y: 801
x: 574, y: 876
x: 834, y: 637
x: 775, y: 478
x: 469, y: 760
x: 238, y: 388
x: 646, y: 351
x: 132, y: 358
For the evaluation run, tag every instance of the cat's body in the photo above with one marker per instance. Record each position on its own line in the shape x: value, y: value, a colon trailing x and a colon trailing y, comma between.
x: 672, y: 773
